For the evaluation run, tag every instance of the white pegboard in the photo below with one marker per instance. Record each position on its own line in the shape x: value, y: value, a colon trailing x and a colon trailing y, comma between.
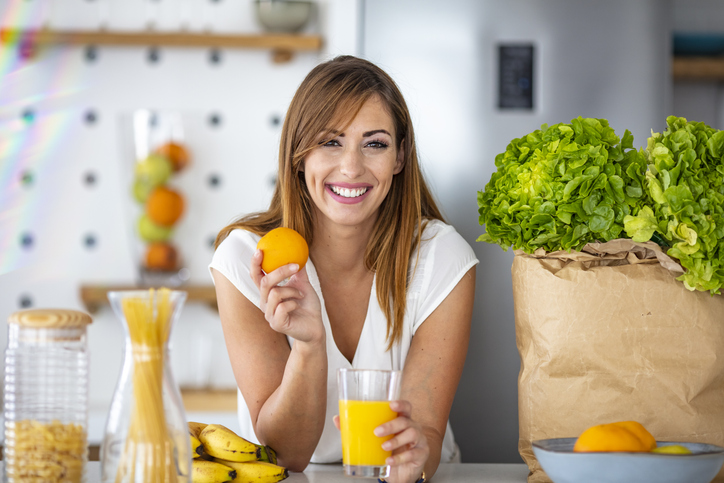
x: 64, y: 163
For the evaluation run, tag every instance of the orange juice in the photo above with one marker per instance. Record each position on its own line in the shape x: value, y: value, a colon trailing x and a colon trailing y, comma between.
x: 358, y: 419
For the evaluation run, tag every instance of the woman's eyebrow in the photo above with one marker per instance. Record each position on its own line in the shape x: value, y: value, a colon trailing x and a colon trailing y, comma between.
x: 372, y: 133
x: 367, y: 134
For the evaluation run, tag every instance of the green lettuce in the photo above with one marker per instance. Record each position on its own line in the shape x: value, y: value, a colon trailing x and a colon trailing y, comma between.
x: 684, y: 188
x: 563, y: 186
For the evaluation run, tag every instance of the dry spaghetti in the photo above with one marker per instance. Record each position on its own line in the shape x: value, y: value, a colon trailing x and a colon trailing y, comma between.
x: 148, y: 455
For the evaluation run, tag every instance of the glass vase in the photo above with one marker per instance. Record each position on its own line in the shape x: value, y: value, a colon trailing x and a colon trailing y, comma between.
x: 146, y: 436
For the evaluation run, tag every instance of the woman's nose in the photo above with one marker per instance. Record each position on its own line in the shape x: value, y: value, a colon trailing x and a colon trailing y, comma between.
x: 352, y: 164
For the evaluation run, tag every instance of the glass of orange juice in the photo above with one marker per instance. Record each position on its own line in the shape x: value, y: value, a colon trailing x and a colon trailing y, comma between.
x: 364, y: 404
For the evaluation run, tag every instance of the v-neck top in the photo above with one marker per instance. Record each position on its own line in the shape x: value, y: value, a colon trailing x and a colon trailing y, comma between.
x: 444, y: 257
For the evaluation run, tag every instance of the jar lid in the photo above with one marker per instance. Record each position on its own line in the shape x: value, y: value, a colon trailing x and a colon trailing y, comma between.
x: 50, y: 318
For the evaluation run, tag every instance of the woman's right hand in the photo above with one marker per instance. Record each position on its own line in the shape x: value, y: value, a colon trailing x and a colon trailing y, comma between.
x: 293, y: 308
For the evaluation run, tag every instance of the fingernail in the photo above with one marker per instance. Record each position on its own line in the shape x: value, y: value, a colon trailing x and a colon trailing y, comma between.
x: 378, y: 431
x: 294, y: 268
x: 257, y: 253
x: 390, y: 461
x: 386, y: 445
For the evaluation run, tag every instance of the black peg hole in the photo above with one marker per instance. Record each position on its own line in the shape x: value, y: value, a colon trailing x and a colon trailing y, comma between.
x: 91, y: 53
x: 27, y: 241
x: 215, y: 120
x: 215, y: 56
x: 90, y: 241
x: 25, y: 301
x: 211, y: 241
x: 90, y: 178
x: 276, y: 120
x: 153, y: 119
x: 91, y: 117
x: 27, y: 178
x: 28, y: 115
x: 154, y: 55
x: 273, y: 180
x: 214, y: 180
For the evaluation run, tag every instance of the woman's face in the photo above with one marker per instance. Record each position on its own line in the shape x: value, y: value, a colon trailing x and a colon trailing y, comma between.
x: 349, y: 176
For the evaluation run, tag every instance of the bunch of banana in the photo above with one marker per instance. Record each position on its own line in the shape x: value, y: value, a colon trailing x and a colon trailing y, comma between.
x: 221, y: 455
x: 197, y: 449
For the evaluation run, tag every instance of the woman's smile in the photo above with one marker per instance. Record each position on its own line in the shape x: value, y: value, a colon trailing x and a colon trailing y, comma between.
x: 348, y: 193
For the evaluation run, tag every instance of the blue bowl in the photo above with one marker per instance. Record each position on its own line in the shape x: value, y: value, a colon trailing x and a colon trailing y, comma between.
x: 562, y: 465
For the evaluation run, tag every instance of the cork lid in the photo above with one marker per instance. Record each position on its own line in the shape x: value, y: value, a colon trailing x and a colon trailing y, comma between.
x: 50, y: 318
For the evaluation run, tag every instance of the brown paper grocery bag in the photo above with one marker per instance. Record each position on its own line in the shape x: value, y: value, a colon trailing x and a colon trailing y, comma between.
x: 609, y: 334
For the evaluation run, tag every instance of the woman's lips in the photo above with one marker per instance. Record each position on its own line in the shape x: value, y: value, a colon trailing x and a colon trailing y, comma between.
x: 348, y: 189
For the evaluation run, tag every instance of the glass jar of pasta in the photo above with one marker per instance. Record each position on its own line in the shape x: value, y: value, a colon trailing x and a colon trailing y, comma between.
x: 46, y: 396
x: 146, y: 437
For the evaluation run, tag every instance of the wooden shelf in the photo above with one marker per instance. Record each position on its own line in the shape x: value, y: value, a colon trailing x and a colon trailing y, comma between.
x: 96, y: 296
x: 282, y: 45
x: 698, y: 68
x: 216, y: 400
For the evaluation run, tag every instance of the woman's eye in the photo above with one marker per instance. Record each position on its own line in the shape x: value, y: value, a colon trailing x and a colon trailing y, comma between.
x: 377, y: 144
x: 331, y: 142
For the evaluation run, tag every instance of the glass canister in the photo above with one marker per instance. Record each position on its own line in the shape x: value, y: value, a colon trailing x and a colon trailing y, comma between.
x: 146, y: 436
x: 46, y: 396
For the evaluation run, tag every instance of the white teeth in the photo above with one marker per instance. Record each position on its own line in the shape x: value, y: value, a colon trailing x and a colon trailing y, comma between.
x: 349, y: 193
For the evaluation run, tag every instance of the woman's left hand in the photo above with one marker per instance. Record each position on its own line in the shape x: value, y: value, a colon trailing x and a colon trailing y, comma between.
x: 409, y: 445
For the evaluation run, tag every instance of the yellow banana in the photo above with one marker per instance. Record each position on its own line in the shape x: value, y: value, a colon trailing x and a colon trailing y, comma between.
x: 203, y: 471
x: 267, y: 454
x: 197, y: 448
x: 255, y: 471
x: 221, y: 442
x: 196, y: 428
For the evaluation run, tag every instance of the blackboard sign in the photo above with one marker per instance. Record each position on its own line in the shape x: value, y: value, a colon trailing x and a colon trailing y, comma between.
x: 515, y: 76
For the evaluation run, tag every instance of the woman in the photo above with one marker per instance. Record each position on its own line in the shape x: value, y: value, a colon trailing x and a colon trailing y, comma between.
x: 388, y: 284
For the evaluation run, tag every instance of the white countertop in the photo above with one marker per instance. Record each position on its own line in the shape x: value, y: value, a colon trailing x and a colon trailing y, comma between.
x: 446, y: 473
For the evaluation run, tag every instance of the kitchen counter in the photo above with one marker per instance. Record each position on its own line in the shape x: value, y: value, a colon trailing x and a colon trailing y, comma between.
x: 447, y: 473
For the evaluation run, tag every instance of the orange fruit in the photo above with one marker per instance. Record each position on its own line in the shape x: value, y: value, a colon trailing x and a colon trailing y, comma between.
x: 164, y: 206
x: 176, y: 153
x: 614, y: 437
x: 639, y: 430
x: 282, y: 246
x: 161, y: 256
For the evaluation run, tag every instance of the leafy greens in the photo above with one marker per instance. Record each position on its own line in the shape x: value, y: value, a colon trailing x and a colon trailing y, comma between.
x: 685, y: 191
x: 563, y: 186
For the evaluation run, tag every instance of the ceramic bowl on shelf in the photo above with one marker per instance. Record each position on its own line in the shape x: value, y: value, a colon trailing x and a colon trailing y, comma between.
x: 285, y: 16
x: 562, y: 465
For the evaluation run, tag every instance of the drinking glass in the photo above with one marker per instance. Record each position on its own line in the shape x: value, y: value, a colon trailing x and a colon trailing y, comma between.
x: 364, y: 404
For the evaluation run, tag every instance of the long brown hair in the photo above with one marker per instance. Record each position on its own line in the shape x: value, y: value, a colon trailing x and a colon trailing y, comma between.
x: 330, y: 96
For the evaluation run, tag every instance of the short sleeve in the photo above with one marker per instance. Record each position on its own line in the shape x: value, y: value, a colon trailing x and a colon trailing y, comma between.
x: 232, y: 259
x: 444, y: 257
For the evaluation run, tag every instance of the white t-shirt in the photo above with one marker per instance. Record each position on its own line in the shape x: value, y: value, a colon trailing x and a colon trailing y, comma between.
x: 444, y: 258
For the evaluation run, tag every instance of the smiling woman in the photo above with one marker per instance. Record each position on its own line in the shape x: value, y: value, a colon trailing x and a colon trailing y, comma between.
x: 388, y: 285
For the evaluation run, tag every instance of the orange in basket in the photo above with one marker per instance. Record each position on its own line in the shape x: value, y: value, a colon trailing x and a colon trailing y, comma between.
x: 629, y: 436
x: 161, y: 256
x: 176, y: 153
x: 164, y: 206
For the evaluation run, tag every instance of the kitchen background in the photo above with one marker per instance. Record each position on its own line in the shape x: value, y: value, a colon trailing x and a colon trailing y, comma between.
x: 67, y: 152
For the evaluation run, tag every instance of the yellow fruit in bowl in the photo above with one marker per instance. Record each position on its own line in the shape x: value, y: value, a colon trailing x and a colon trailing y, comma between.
x: 627, y: 436
x: 672, y: 449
